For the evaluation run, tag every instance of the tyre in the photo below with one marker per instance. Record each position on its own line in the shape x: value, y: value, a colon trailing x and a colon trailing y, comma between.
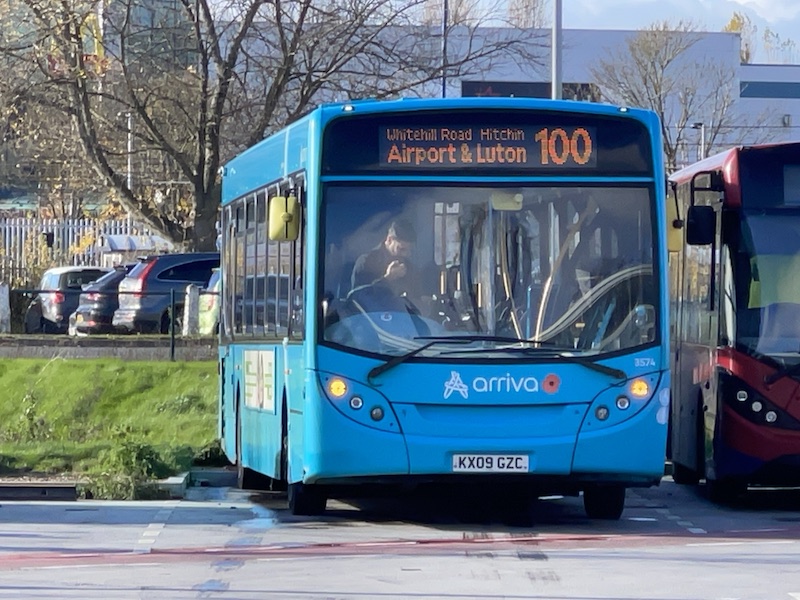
x: 307, y: 500
x: 247, y: 479
x: 725, y: 491
x: 604, y: 501
x: 683, y: 475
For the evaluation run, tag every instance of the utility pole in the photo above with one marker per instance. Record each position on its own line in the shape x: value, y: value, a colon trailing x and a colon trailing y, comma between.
x: 445, y: 19
x: 130, y: 151
x: 702, y: 147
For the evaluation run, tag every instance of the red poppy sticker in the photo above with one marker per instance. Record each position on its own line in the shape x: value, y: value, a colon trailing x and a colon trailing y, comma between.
x: 551, y: 383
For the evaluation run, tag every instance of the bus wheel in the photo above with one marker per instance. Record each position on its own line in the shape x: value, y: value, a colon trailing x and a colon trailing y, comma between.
x: 247, y: 479
x: 604, y: 501
x: 683, y: 475
x: 724, y: 491
x: 308, y: 500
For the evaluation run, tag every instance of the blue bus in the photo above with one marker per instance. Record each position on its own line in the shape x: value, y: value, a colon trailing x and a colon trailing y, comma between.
x: 465, y: 291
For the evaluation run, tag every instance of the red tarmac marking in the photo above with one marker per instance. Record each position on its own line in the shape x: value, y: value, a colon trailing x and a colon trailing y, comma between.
x: 499, y: 543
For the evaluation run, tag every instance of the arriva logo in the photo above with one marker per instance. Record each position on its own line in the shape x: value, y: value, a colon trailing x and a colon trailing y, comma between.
x: 455, y: 385
x: 507, y: 383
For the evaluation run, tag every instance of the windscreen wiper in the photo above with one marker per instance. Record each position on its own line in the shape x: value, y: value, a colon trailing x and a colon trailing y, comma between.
x: 571, y: 358
x: 433, y: 340
x: 531, y: 346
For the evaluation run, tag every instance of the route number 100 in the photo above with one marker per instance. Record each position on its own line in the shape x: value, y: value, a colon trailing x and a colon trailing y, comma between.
x: 558, y: 147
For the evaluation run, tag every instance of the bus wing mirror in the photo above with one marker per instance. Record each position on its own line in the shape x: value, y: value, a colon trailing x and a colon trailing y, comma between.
x: 701, y: 225
x: 284, y: 218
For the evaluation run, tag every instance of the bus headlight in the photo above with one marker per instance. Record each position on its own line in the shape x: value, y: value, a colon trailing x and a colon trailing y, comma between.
x: 623, y: 403
x: 337, y: 387
x: 753, y: 405
x: 639, y: 388
x: 359, y: 402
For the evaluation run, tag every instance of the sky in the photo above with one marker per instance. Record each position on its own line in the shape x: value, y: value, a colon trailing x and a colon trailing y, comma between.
x: 779, y: 16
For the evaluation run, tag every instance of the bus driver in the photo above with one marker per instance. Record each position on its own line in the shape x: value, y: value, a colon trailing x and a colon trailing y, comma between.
x: 388, y: 263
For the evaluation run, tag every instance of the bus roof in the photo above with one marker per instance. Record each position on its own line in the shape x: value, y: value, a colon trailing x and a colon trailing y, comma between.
x: 717, y: 162
x: 403, y: 104
x: 293, y: 142
x: 727, y: 163
x: 330, y: 110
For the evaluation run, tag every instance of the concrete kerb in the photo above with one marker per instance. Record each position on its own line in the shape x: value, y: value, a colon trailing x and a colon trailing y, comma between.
x: 176, y: 485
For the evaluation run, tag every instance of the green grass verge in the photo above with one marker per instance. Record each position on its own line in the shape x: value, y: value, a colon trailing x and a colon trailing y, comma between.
x: 114, y: 424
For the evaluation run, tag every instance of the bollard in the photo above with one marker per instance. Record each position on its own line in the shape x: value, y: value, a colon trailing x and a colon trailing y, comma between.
x: 191, y: 311
x: 5, y: 309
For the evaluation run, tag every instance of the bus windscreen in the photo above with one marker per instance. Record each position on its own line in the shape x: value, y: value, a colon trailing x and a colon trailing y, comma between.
x: 770, y: 177
x: 544, y: 143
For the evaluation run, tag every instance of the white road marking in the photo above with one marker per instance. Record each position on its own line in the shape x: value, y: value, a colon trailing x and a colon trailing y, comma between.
x: 696, y: 530
x: 152, y: 531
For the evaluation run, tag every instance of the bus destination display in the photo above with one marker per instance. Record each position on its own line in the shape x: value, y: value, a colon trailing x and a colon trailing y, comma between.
x: 497, y: 147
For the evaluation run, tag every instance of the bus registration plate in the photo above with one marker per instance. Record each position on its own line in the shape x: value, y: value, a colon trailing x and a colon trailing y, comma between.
x: 490, y: 463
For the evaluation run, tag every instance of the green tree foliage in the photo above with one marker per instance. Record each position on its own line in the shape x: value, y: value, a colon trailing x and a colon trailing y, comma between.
x: 740, y: 23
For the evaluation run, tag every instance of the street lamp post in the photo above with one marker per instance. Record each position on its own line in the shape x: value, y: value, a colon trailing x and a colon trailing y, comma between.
x: 555, y: 53
x: 445, y: 19
x: 702, y: 128
x: 129, y: 174
x: 129, y: 158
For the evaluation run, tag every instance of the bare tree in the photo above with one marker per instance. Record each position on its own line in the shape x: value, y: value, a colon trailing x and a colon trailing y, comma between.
x: 40, y: 151
x: 779, y: 50
x: 688, y: 91
x: 527, y: 13
x: 161, y: 94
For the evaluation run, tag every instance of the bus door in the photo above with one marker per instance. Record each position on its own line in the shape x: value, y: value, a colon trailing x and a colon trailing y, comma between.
x: 699, y: 334
x: 696, y: 326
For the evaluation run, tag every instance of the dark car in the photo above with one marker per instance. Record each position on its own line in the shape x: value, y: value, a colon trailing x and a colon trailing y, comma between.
x: 60, y: 288
x: 144, y: 294
x: 97, y: 303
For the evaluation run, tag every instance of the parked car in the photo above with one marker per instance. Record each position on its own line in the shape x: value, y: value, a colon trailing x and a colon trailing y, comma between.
x: 50, y: 308
x: 144, y: 294
x: 209, y: 305
x: 97, y: 303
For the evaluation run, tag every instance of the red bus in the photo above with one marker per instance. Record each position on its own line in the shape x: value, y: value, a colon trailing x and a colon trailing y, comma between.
x: 735, y: 320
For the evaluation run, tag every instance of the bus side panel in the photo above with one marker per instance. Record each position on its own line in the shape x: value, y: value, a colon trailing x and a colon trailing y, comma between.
x: 694, y: 413
x: 227, y: 408
x: 262, y: 381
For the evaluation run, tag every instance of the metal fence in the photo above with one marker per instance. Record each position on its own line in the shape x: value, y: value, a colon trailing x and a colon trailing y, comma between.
x: 27, y: 245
